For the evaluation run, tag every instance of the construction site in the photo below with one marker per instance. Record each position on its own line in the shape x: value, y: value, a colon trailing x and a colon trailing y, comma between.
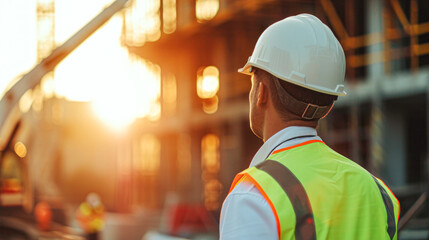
x: 140, y: 102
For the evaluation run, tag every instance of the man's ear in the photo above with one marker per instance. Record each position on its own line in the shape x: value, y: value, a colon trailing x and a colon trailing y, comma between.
x: 262, y: 94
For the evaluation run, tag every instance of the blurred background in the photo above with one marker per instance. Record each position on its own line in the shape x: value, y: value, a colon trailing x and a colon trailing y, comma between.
x: 150, y: 113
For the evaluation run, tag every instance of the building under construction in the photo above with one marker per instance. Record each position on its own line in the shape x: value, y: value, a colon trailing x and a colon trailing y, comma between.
x: 189, y: 153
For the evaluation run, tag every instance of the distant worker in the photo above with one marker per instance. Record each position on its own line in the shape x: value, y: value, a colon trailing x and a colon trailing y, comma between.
x: 43, y: 214
x: 90, y: 215
x: 297, y: 187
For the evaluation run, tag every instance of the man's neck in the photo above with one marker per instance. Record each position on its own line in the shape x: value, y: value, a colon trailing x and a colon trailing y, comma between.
x: 273, y: 123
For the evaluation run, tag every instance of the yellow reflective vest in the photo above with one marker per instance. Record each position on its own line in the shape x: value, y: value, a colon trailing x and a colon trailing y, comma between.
x: 316, y: 193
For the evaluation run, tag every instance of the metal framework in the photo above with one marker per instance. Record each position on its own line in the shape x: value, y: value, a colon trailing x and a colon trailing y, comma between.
x: 411, y: 27
x: 45, y: 28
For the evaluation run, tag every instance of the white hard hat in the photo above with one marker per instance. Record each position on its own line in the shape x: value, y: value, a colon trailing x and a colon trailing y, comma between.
x: 303, y: 51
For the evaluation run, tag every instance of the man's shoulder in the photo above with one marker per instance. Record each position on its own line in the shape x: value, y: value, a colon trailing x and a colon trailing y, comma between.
x: 245, y: 187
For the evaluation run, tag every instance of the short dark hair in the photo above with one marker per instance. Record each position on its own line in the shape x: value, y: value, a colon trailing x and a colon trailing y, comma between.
x: 302, y: 94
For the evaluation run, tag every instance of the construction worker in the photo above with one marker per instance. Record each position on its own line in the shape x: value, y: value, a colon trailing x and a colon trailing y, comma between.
x: 90, y: 215
x: 297, y: 187
x: 43, y: 214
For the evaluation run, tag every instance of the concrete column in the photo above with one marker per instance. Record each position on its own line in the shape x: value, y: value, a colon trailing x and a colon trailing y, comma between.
x: 375, y: 74
x: 394, y: 167
x: 374, y: 23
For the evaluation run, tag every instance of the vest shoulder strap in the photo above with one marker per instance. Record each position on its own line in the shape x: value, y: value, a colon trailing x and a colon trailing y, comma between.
x: 391, y: 223
x: 304, y: 228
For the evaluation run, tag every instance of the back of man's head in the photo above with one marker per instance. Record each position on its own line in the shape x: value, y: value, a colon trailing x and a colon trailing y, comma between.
x: 284, y: 96
x: 305, y: 62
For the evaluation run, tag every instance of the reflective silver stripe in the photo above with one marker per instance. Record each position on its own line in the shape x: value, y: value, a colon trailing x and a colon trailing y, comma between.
x: 304, y: 229
x: 391, y: 225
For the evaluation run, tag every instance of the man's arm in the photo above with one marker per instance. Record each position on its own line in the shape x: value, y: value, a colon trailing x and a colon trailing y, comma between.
x: 247, y: 215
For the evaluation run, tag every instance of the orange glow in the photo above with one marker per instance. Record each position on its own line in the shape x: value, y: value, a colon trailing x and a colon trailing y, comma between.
x: 208, y: 82
x: 20, y: 149
x: 142, y: 22
x: 169, y: 16
x: 206, y: 9
x: 207, y: 88
x: 211, y: 105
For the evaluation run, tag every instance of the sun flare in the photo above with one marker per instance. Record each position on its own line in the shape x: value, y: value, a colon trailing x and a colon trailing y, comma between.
x: 121, y: 87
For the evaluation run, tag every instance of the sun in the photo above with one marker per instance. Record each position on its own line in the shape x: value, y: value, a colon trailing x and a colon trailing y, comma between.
x: 116, y: 112
x: 120, y: 87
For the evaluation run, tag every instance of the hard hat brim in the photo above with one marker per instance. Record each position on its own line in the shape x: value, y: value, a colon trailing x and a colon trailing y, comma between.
x: 246, y: 69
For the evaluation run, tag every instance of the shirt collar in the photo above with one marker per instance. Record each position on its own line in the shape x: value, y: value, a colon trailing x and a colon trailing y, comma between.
x: 276, y: 140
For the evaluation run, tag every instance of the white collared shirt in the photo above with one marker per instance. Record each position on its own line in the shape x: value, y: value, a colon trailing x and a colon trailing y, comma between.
x: 245, y: 212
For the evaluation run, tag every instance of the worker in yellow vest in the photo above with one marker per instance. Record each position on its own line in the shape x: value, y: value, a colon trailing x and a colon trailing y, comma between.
x: 90, y: 215
x: 297, y: 187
